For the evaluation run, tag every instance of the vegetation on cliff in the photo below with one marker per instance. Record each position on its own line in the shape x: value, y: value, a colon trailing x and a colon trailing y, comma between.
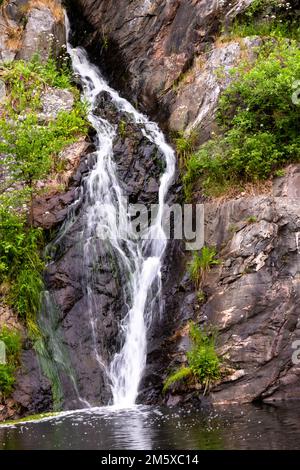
x: 259, y: 122
x: 12, y: 341
x: 204, y: 364
x: 30, y: 149
x: 201, y: 263
x: 276, y: 18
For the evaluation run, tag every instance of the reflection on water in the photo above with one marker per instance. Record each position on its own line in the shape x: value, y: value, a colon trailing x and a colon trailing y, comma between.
x: 234, y: 427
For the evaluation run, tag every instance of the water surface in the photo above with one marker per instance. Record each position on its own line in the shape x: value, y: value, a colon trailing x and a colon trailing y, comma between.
x: 150, y: 428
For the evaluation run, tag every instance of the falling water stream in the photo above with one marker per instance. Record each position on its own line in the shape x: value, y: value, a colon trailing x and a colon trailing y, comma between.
x: 139, y: 260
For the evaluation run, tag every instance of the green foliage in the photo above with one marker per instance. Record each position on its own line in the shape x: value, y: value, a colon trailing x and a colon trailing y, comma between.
x: 20, y: 264
x: 25, y: 146
x: 177, y: 376
x: 259, y: 121
x: 185, y: 145
x: 204, y: 364
x: 26, y: 291
x: 12, y: 341
x: 122, y: 128
x: 7, y: 379
x: 27, y: 80
x: 273, y: 18
x: 201, y: 263
x: 30, y: 147
x: 202, y: 358
x: 252, y: 219
x: 201, y: 296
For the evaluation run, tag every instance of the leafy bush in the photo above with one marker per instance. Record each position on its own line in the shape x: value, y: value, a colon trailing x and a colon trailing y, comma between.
x: 30, y: 150
x: 20, y: 264
x: 12, y: 341
x: 27, y: 80
x: 185, y: 145
x: 202, y: 358
x: 201, y: 263
x: 259, y: 123
x: 203, y: 361
x: 276, y: 18
x: 7, y: 379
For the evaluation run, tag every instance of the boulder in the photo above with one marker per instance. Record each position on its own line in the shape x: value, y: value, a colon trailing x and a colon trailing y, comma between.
x: 31, y: 27
x: 44, y: 34
x: 55, y: 100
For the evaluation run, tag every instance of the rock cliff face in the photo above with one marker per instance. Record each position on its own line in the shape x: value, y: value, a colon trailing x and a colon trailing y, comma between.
x: 165, y: 57
x: 161, y: 54
x: 253, y: 296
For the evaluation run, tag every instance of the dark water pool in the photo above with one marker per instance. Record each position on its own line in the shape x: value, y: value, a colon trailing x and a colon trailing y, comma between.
x: 234, y: 427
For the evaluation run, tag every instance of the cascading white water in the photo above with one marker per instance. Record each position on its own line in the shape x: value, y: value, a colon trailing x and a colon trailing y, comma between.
x: 140, y: 260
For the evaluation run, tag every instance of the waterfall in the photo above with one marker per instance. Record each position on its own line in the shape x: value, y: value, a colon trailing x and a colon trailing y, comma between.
x: 140, y: 261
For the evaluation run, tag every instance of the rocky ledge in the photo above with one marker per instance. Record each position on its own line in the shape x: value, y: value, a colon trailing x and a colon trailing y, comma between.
x: 252, y: 297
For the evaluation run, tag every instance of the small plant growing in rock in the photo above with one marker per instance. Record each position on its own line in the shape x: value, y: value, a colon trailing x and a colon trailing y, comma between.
x: 20, y: 263
x: 185, y: 145
x: 180, y: 374
x: 252, y: 219
x: 200, y: 296
x: 279, y: 173
x: 201, y: 263
x: 122, y: 128
x: 12, y: 342
x: 204, y: 364
x: 269, y: 18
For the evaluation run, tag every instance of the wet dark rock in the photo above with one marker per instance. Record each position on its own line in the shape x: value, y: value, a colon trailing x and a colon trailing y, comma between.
x: 84, y: 321
x: 139, y: 162
x: 33, y: 392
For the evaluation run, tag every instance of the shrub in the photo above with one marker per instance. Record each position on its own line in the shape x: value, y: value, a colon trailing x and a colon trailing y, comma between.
x: 203, y: 361
x: 20, y: 264
x: 7, y: 379
x: 201, y: 263
x: 12, y: 341
x: 30, y: 150
x: 259, y: 124
x: 277, y: 18
x: 202, y: 358
x: 185, y: 145
x: 26, y: 81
